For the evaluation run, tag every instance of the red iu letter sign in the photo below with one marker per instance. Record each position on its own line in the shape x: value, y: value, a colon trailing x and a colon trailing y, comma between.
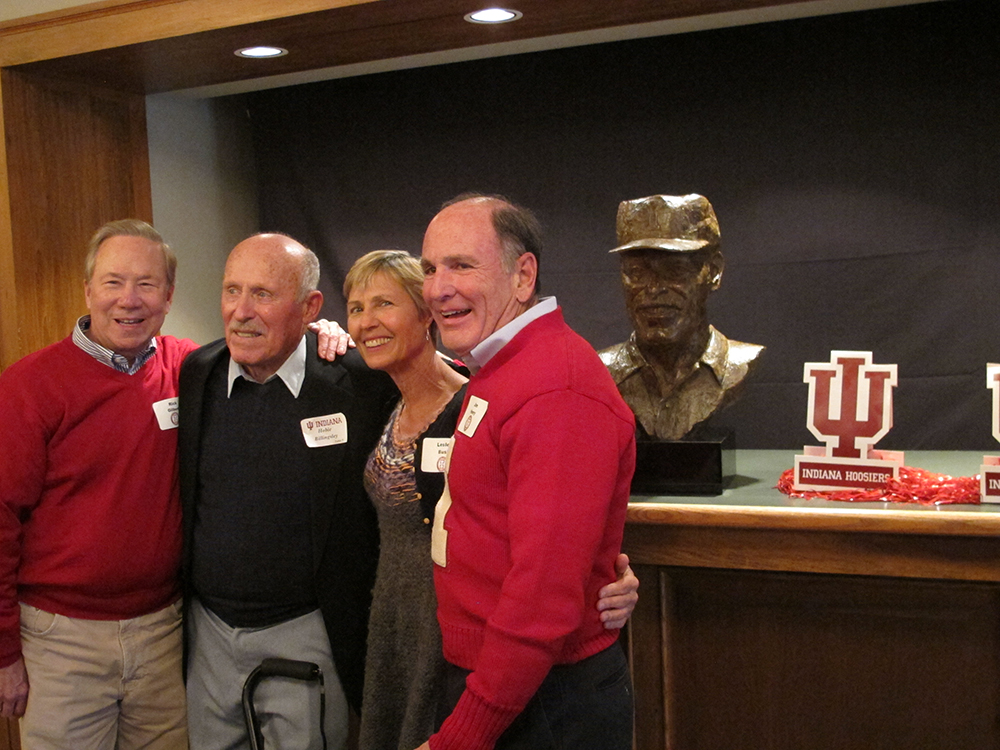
x: 993, y: 383
x: 850, y: 402
x: 989, y: 472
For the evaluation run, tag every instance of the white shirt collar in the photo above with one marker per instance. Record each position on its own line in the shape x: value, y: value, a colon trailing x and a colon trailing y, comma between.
x: 292, y: 372
x: 486, y: 349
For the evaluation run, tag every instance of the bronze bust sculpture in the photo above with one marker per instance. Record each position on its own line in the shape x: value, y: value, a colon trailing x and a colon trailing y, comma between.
x: 675, y: 370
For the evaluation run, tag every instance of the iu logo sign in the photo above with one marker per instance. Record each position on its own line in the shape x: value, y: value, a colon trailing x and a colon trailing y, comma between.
x: 993, y: 383
x: 850, y: 409
x: 989, y: 472
x: 850, y: 402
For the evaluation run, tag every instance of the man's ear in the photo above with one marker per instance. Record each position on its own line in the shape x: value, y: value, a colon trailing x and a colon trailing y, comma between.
x: 526, y: 269
x: 715, y: 266
x: 311, y: 306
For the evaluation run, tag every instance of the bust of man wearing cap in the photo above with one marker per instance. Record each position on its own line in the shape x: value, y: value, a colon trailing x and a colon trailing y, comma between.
x: 675, y: 370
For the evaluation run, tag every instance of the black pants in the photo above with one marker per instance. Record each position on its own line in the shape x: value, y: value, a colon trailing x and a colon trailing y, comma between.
x: 582, y: 706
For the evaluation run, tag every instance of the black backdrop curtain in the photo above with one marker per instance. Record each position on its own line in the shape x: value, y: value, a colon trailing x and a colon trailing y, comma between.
x: 853, y: 161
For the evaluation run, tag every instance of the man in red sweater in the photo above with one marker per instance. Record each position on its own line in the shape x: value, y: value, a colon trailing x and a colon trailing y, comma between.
x: 90, y: 522
x: 532, y: 518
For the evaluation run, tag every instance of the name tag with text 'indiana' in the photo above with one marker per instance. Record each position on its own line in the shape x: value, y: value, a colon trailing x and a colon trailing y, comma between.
x: 320, y: 432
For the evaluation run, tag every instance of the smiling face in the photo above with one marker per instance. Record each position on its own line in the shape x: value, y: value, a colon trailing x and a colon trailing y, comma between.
x: 666, y: 293
x: 264, y: 315
x: 128, y: 294
x: 469, y: 291
x: 384, y: 321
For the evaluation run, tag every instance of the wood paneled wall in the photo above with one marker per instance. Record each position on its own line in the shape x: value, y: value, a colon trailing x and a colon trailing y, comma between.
x: 76, y: 158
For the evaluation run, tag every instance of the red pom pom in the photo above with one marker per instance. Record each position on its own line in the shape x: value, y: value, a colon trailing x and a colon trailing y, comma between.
x: 913, y: 486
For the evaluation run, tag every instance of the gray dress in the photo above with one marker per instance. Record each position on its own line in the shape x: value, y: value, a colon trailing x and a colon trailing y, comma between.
x: 404, y: 667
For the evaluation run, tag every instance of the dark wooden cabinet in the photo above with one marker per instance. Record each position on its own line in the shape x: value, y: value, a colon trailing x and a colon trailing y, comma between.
x: 770, y: 623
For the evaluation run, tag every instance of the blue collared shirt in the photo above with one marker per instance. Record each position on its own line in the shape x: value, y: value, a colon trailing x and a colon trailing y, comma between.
x: 104, y: 355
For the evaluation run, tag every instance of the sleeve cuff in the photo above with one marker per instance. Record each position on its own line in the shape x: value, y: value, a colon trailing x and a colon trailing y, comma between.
x: 473, y: 725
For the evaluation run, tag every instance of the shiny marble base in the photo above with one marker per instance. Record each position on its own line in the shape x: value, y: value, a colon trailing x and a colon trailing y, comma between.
x: 699, y: 466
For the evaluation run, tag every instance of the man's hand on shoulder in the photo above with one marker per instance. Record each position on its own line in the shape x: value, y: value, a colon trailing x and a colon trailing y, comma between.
x: 618, y: 599
x: 13, y: 689
x: 333, y: 341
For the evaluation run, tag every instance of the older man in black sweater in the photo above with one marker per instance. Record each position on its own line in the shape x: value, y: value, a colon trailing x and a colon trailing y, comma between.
x: 280, y: 540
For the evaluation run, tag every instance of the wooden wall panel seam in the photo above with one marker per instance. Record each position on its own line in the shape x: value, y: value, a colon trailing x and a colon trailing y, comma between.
x: 9, y: 350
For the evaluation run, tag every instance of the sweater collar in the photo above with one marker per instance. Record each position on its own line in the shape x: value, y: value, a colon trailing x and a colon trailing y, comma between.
x: 486, y: 349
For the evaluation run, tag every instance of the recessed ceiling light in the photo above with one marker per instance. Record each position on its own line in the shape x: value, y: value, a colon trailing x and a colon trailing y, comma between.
x: 493, y: 15
x: 261, y: 51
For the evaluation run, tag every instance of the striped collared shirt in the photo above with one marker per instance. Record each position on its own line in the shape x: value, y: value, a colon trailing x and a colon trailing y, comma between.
x: 106, y: 356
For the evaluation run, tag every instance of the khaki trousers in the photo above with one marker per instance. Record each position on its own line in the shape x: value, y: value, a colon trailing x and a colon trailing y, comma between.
x: 103, y: 684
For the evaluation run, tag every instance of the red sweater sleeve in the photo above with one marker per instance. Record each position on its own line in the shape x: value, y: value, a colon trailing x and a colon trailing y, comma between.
x: 22, y: 472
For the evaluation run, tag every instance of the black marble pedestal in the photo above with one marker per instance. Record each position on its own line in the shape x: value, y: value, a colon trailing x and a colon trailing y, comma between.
x: 691, y: 466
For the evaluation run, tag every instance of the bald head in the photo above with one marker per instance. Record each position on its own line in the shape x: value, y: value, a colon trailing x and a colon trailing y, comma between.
x: 269, y: 296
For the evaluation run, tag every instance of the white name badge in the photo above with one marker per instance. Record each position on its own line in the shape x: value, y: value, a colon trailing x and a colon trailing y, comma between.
x: 439, y: 534
x: 320, y: 432
x: 166, y: 413
x: 434, y: 457
x: 474, y: 413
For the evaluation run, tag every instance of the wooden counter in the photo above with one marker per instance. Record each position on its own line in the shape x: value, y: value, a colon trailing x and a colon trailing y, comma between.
x: 771, y: 622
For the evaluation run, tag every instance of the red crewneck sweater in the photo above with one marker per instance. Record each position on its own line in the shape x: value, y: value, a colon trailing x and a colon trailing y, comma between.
x: 539, y: 494
x: 90, y: 518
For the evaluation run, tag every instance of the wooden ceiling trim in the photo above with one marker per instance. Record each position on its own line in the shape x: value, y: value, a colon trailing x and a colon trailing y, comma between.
x: 110, y: 24
x: 37, y: 20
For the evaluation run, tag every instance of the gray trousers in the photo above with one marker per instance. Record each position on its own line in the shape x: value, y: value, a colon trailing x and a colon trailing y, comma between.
x: 221, y: 657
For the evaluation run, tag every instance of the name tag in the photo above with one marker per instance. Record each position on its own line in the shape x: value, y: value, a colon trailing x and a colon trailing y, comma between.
x: 166, y: 413
x: 320, y: 432
x: 474, y: 413
x: 434, y: 456
x: 439, y: 534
